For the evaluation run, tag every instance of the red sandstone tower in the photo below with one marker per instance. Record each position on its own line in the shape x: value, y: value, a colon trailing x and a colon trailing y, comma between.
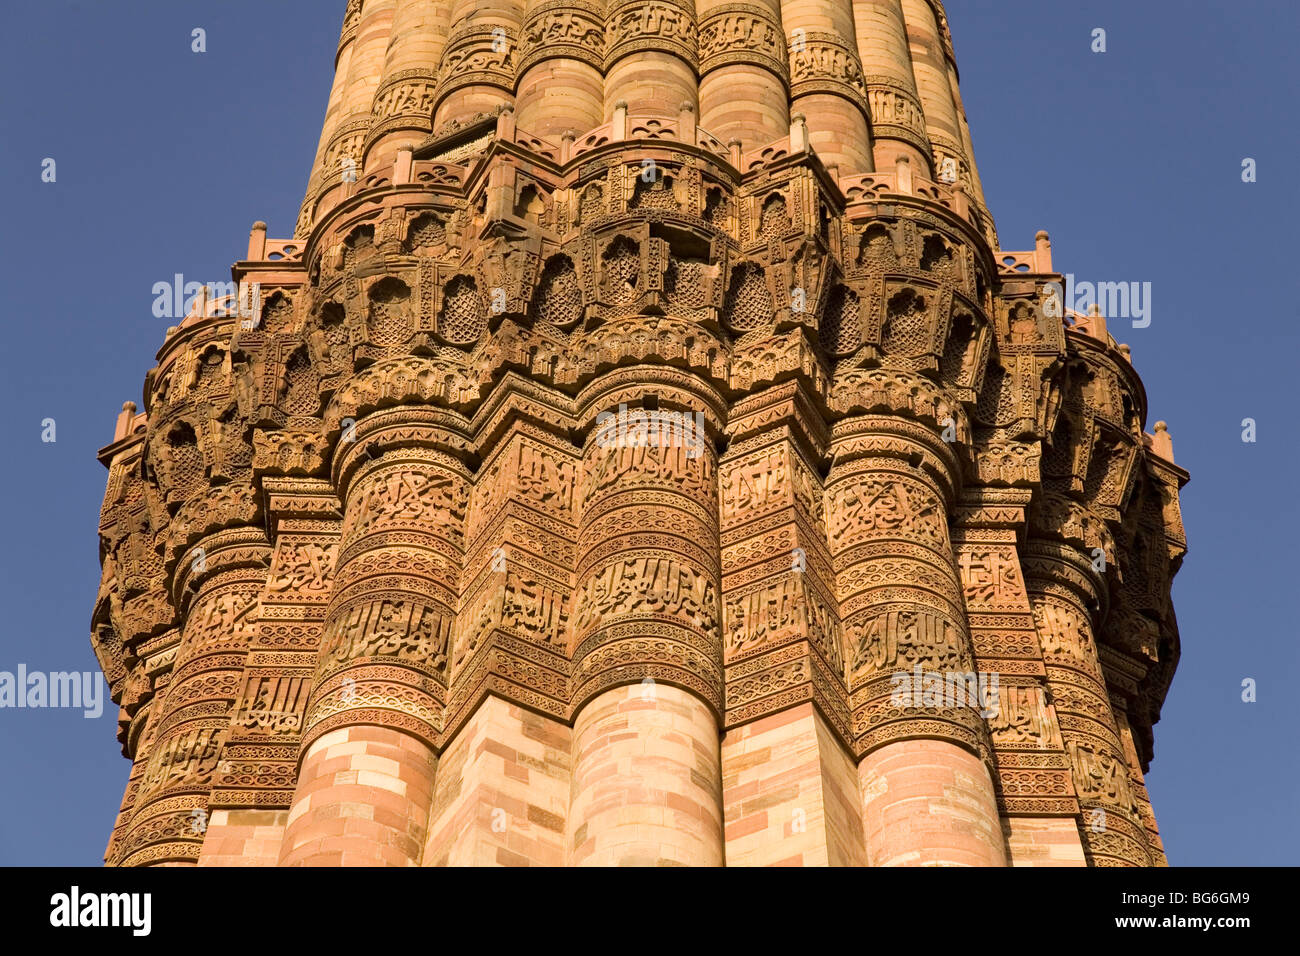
x: 642, y: 453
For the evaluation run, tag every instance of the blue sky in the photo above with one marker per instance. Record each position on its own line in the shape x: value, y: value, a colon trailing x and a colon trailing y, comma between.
x: 1131, y: 159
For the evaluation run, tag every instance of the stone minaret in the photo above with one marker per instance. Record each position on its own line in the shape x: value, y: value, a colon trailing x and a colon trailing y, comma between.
x: 642, y: 452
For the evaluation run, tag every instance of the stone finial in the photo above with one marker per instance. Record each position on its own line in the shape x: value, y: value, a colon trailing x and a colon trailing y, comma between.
x: 1162, y: 443
x: 124, y: 420
x: 798, y: 133
x: 686, y: 123
x: 1042, y: 252
x: 960, y: 204
x: 903, y: 169
x: 257, y: 242
x: 403, y: 164
x: 506, y: 122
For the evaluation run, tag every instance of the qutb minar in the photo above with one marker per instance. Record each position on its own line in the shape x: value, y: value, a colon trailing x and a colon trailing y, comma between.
x: 388, y: 580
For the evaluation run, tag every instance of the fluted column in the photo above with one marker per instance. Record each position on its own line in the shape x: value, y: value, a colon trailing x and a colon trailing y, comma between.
x: 502, y: 792
x: 930, y: 66
x: 647, y: 651
x: 250, y: 799
x: 1064, y: 589
x: 477, y: 72
x: 561, y: 55
x: 1142, y: 797
x: 973, y: 184
x: 402, y: 111
x: 790, y: 784
x: 366, y: 773
x: 341, y: 163
x: 334, y: 107
x: 1036, y: 787
x: 744, y: 71
x: 219, y: 580
x: 926, y: 776
x: 139, y: 758
x: 651, y: 56
x: 141, y: 748
x: 897, y: 121
x: 826, y: 83
x: 366, y: 66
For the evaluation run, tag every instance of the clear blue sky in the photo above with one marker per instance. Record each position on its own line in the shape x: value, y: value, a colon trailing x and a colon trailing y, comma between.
x: 1130, y: 159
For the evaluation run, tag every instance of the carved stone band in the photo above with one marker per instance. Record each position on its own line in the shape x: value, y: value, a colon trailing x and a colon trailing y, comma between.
x: 826, y: 64
x: 477, y: 56
x: 637, y: 26
x: 562, y: 29
x: 742, y: 33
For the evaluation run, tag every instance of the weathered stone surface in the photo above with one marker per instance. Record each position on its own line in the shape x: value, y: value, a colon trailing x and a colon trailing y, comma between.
x: 642, y: 453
